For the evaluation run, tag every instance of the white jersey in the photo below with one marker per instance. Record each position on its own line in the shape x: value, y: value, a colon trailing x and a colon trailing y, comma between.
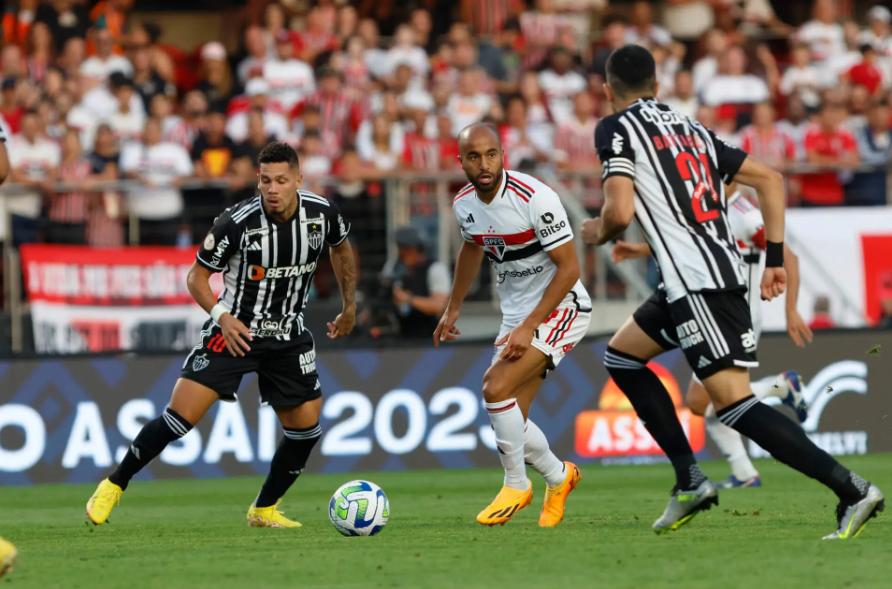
x: 748, y: 228
x: 524, y: 222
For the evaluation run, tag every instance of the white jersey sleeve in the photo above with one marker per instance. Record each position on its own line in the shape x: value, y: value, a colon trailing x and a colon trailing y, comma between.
x: 549, y: 219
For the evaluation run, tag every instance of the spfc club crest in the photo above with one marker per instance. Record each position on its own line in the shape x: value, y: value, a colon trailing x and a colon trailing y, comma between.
x: 199, y: 363
x: 494, y: 244
x: 314, y: 235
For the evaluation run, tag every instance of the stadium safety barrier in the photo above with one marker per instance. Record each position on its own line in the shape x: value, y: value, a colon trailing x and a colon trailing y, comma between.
x: 70, y: 420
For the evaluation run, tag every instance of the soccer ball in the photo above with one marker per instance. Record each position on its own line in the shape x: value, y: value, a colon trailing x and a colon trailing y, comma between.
x: 359, y: 508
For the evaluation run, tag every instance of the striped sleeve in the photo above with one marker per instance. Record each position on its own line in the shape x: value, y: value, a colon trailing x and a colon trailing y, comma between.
x: 614, y: 149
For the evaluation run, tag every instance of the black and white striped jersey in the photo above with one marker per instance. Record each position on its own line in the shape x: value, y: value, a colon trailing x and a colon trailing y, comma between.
x: 679, y: 168
x: 268, y: 266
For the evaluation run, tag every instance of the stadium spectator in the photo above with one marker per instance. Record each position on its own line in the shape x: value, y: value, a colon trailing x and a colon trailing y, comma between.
x: 765, y: 140
x: 347, y: 23
x: 379, y: 142
x: 67, y: 19
x: 105, y: 227
x: 524, y: 143
x: 40, y: 51
x: 101, y: 65
x: 868, y: 188
x: 12, y: 61
x: 561, y: 82
x: 734, y: 91
x: 248, y: 150
x: 158, y: 167
x: 10, y: 109
x: 705, y: 68
x: 69, y: 61
x: 376, y: 59
x: 821, y: 317
x: 257, y: 92
x: 828, y: 145
x: 834, y: 67
x: 683, y: 98
x: 341, y: 114
x: 106, y: 153
x: 643, y: 30
x: 573, y: 138
x: 318, y: 37
x: 184, y: 128
x: 878, y: 33
x: 213, y: 152
x: 823, y: 34
x: 405, y: 50
x: 128, y: 117
x: 216, y: 81
x: 422, y: 25
x: 315, y: 165
x: 686, y: 20
x: 67, y: 212
x: 351, y: 63
x: 613, y: 36
x: 666, y: 59
x: 796, y: 124
x: 112, y: 15
x: 290, y: 80
x: 146, y: 78
x: 310, y: 121
x: 470, y: 104
x: 541, y: 29
x: 421, y: 150
x: 251, y: 65
x: 274, y: 24
x: 802, y: 78
x: 488, y: 18
x: 34, y: 162
x: 499, y: 59
x: 357, y: 199
x: 867, y: 72
x: 420, y: 285
x: 859, y: 102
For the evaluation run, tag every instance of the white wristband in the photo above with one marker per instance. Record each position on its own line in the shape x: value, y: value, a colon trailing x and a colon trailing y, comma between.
x: 218, y: 310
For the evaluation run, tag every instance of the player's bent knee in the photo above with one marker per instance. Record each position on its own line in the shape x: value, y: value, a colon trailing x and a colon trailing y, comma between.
x: 697, y: 399
x: 191, y: 399
x: 494, y: 389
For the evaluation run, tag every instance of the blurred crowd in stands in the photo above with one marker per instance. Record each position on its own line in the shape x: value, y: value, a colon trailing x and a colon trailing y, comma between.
x: 93, y: 92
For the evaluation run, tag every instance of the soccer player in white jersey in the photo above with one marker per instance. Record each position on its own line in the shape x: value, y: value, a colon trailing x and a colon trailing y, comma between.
x: 520, y: 225
x: 748, y: 228
x: 667, y: 172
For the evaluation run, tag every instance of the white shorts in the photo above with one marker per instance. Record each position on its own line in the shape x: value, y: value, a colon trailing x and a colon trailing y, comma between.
x: 557, y: 335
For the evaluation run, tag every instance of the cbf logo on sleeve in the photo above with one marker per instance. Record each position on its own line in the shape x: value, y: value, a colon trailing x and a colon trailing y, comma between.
x: 494, y: 244
x: 314, y: 235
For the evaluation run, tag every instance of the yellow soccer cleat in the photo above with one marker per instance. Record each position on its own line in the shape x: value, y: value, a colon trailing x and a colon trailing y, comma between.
x: 508, y: 502
x: 7, y: 556
x: 105, y: 498
x: 270, y: 517
x: 555, y: 502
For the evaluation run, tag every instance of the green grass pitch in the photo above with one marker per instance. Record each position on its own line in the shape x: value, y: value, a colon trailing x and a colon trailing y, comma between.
x: 192, y: 533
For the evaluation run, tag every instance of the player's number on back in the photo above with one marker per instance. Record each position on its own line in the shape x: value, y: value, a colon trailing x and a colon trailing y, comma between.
x: 689, y: 167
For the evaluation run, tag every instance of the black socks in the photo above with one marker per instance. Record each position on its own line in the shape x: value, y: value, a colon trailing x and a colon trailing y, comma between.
x: 788, y: 443
x: 287, y: 464
x: 151, y: 441
x: 654, y: 407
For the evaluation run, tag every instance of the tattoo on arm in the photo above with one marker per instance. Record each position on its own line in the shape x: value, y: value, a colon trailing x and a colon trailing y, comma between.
x: 345, y: 271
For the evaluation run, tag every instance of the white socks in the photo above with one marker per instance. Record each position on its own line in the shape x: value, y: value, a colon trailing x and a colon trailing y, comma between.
x: 731, y: 446
x: 773, y: 386
x: 538, y: 455
x: 507, y: 423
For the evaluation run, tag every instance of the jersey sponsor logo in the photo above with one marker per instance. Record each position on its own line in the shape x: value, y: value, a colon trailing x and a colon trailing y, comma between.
x: 617, y: 144
x: 525, y: 273
x: 272, y: 328
x: 552, y: 229
x: 748, y: 340
x: 314, y: 235
x: 199, y: 363
x: 307, y: 362
x: 547, y: 218
x: 218, y: 253
x: 262, y: 231
x: 257, y: 273
x: 657, y: 116
x: 494, y: 244
x: 209, y: 242
x: 689, y: 334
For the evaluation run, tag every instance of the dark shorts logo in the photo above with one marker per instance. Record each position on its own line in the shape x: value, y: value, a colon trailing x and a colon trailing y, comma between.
x: 199, y: 363
x: 495, y: 244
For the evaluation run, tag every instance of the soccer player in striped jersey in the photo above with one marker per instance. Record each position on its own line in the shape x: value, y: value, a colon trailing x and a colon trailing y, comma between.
x: 267, y: 248
x: 520, y: 225
x: 667, y: 172
x: 749, y: 230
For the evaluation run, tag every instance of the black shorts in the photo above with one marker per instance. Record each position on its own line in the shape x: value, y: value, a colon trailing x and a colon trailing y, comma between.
x: 714, y: 330
x: 286, y: 369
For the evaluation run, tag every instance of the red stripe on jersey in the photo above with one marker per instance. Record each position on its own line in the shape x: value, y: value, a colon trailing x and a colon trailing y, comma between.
x: 522, y: 196
x: 513, y: 179
x: 502, y: 409
x: 566, y: 329
x: 464, y: 192
x: 512, y: 239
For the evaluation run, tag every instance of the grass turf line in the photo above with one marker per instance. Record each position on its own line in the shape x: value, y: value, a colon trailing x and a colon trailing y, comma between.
x: 192, y: 533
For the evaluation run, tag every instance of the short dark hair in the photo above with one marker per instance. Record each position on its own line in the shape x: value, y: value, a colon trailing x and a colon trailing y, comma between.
x: 631, y: 70
x: 277, y: 152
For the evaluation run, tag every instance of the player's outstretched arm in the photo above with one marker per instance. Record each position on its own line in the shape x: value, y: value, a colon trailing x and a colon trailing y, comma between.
x: 235, y: 333
x: 467, y: 265
x: 616, y: 214
x: 518, y: 340
x: 797, y: 328
x: 344, y: 265
x: 769, y: 185
x: 627, y: 250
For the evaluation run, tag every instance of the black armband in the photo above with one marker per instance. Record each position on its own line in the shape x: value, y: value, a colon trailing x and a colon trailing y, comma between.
x: 774, y: 254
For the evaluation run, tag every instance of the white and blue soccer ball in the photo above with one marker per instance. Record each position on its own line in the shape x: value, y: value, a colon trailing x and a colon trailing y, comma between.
x: 359, y: 508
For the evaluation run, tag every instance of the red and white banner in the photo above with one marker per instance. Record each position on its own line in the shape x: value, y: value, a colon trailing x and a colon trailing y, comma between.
x: 93, y: 300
